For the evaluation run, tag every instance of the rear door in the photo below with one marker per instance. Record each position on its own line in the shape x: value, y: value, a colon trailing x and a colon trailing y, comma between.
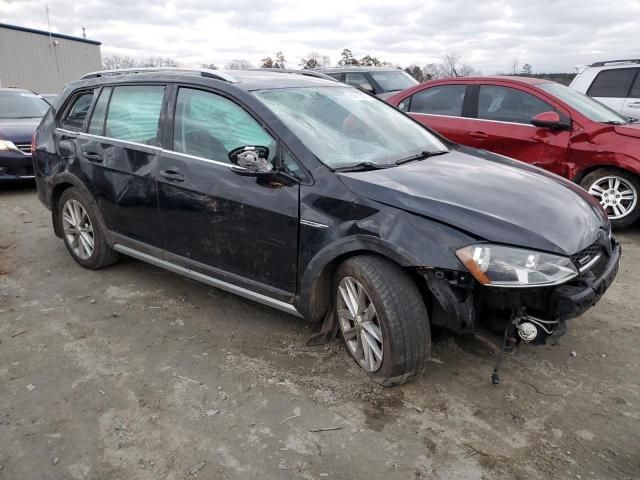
x: 440, y: 107
x: 502, y: 124
x: 120, y: 149
x: 214, y: 215
x: 612, y: 87
x: 632, y: 103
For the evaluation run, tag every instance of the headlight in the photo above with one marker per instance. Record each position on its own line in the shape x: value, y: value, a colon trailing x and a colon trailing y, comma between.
x: 499, y: 266
x: 7, y: 145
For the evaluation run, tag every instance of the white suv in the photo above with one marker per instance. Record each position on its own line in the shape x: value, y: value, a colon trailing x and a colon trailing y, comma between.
x: 616, y: 83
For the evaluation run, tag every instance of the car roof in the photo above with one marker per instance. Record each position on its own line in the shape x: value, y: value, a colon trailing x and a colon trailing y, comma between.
x: 502, y: 78
x: 247, y: 80
x: 356, y: 68
x: 17, y: 90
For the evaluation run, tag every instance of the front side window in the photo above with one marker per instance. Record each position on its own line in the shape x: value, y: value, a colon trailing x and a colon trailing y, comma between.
x: 210, y: 126
x: 442, y: 100
x: 587, y: 106
x: 343, y: 126
x: 505, y: 104
x: 134, y: 113
x: 358, y: 80
x: 635, y: 90
x: 74, y: 118
x: 612, y: 83
x: 392, y: 81
x: 22, y: 105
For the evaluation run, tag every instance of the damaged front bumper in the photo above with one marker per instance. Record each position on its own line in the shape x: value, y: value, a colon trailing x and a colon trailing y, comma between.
x: 538, y: 313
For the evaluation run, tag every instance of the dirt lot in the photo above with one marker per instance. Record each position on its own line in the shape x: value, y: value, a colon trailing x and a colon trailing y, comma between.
x: 136, y: 373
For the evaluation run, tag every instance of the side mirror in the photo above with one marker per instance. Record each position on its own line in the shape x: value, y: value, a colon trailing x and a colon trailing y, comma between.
x: 252, y: 159
x: 550, y: 120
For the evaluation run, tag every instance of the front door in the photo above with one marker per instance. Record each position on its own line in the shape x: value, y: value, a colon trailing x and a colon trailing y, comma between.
x: 503, y: 125
x: 214, y: 214
x: 632, y: 103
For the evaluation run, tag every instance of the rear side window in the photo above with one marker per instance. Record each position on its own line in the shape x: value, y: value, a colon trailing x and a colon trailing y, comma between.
x: 77, y: 112
x: 612, y: 83
x: 134, y: 113
x: 505, y: 104
x: 210, y: 126
x: 96, y: 125
x: 442, y: 100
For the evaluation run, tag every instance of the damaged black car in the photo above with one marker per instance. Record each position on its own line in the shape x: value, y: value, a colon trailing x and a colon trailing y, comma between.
x: 315, y: 198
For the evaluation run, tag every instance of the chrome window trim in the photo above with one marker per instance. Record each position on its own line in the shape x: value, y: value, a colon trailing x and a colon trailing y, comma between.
x: 214, y: 282
x: 473, y: 118
x: 146, y: 148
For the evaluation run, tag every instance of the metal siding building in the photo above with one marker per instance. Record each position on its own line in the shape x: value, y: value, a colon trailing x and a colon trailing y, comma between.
x: 29, y: 60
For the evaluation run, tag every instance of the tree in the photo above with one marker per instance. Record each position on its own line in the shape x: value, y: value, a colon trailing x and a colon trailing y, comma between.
x: 513, y: 67
x: 280, y: 62
x: 267, y: 63
x: 115, y: 62
x: 238, y: 64
x: 450, y: 63
x: 416, y: 72
x: 369, y: 61
x: 158, y: 62
x: 347, y: 58
x: 526, y: 69
x: 314, y: 60
x: 210, y: 66
x: 433, y: 71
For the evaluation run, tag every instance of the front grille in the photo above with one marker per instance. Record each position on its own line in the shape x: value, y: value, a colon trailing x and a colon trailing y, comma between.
x: 584, y: 257
x: 24, y: 147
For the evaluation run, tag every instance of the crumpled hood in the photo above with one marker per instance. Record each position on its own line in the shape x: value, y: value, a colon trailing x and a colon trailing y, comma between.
x: 18, y: 130
x: 490, y: 197
x: 630, y: 130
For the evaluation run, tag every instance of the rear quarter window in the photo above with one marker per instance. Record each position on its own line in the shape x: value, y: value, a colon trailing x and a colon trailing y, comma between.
x: 614, y: 83
x: 75, y: 114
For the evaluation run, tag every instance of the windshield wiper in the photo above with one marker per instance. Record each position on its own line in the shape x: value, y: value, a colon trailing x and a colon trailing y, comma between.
x: 362, y: 166
x: 613, y: 122
x: 421, y: 156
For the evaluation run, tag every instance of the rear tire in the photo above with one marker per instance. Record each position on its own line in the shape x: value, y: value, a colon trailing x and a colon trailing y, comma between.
x: 382, y: 295
x: 83, y: 230
x: 618, y: 192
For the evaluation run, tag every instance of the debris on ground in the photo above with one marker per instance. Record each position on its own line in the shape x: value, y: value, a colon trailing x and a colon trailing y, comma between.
x: 196, y: 468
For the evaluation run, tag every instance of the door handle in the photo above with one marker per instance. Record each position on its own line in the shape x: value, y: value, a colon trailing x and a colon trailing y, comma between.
x: 634, y: 105
x: 172, y: 175
x: 92, y: 156
x: 479, y: 135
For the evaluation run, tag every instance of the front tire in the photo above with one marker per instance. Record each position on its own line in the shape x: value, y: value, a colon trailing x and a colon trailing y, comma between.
x: 83, y: 230
x: 382, y: 319
x: 617, y: 191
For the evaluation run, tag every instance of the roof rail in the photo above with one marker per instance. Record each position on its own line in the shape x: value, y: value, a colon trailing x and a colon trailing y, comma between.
x: 607, y: 62
x: 204, y: 72
x: 308, y: 73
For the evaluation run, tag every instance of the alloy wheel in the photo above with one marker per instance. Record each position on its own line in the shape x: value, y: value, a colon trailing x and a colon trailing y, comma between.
x: 78, y: 230
x: 359, y: 324
x: 616, y: 195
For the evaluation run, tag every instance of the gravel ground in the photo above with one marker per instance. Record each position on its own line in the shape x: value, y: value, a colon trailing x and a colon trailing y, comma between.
x: 136, y: 373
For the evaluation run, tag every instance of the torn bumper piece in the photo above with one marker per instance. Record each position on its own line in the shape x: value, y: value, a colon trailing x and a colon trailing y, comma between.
x: 465, y: 306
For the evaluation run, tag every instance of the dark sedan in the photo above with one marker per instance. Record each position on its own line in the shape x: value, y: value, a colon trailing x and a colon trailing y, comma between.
x: 20, y: 114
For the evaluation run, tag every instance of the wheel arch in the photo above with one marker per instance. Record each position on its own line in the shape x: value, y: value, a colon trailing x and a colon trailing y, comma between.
x: 62, y: 183
x: 581, y: 174
x: 315, y: 296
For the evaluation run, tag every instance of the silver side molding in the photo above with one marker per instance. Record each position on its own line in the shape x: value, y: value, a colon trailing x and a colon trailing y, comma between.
x: 309, y: 223
x: 214, y: 282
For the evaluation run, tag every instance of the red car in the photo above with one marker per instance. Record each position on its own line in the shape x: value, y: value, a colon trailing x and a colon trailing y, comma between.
x: 542, y: 123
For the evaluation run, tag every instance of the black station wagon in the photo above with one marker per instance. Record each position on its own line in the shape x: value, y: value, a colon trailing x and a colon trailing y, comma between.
x: 322, y: 201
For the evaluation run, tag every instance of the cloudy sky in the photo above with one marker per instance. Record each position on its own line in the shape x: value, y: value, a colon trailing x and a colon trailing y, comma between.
x: 552, y: 36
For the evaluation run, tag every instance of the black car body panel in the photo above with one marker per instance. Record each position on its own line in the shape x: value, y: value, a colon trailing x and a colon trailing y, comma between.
x: 279, y: 236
